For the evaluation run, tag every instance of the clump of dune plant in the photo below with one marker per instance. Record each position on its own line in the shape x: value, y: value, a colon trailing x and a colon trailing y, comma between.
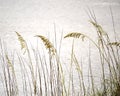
x: 107, y: 54
x: 30, y: 65
x: 44, y: 74
x: 7, y: 74
x: 58, y: 71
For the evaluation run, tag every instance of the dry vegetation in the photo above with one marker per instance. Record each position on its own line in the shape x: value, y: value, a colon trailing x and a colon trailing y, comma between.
x: 42, y: 76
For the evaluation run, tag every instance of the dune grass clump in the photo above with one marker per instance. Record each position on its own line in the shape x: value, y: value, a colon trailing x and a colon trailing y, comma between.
x: 8, y: 78
x: 47, y: 77
x: 45, y: 74
x: 108, y: 56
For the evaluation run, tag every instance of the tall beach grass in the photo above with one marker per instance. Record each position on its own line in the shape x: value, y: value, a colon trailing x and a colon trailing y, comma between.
x: 38, y: 72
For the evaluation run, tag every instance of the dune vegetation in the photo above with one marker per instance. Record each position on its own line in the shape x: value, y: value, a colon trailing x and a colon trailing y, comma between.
x: 43, y: 74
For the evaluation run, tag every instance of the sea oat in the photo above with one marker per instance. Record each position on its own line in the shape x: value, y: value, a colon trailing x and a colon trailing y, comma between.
x: 47, y: 44
x: 75, y: 35
x: 22, y: 41
x: 99, y: 28
x: 114, y: 43
x: 10, y: 65
x: 8, y: 61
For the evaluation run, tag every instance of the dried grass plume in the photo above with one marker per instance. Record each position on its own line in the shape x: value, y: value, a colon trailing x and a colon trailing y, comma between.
x: 47, y: 44
x: 75, y: 35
